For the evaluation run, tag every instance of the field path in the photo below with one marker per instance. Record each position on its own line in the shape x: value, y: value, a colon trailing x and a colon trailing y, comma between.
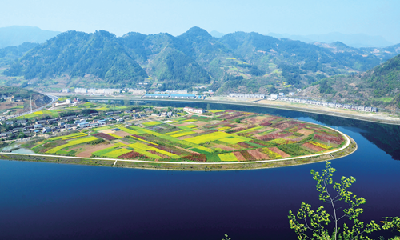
x: 216, y: 163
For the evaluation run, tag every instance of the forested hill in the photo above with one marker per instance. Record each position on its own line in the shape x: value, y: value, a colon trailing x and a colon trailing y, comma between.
x: 11, y: 53
x: 237, y: 62
x: 379, y: 86
x: 77, y: 54
x: 385, y: 79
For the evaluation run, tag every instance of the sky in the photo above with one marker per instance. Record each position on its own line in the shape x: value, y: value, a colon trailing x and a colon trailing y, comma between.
x: 298, y: 17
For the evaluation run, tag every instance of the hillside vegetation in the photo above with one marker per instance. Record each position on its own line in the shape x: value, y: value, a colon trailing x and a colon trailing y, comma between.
x: 254, y: 62
x: 379, y: 86
x: 11, y: 53
x: 24, y: 96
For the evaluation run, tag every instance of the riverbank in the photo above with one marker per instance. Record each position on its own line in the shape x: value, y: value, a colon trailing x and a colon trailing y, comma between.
x: 349, y: 148
x: 344, y: 113
x: 380, y: 117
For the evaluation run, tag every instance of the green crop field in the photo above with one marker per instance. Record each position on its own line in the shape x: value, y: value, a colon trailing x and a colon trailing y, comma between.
x: 219, y: 136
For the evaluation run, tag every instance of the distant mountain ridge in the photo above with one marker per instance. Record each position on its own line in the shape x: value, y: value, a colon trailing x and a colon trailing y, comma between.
x: 16, y: 35
x: 236, y: 62
x: 353, y: 40
x: 216, y: 34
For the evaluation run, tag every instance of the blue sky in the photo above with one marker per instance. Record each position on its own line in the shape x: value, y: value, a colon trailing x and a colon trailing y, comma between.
x: 301, y: 17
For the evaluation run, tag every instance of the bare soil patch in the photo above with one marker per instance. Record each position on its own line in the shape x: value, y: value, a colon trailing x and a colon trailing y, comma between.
x: 313, y: 147
x: 280, y: 152
x: 239, y: 156
x: 258, y: 155
x: 121, y: 133
x: 305, y: 132
x: 92, y: 148
x: 108, y: 131
x: 7, y: 105
x: 223, y: 147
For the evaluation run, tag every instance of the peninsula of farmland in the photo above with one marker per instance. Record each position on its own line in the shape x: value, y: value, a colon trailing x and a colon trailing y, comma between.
x: 211, y: 137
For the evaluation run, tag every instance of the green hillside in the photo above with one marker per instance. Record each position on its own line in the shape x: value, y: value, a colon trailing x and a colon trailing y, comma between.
x: 77, y: 54
x: 377, y: 87
x: 385, y: 79
x: 12, y: 53
x: 238, y: 62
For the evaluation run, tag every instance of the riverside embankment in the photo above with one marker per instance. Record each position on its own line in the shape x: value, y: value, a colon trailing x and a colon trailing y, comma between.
x: 348, y: 148
x: 343, y: 113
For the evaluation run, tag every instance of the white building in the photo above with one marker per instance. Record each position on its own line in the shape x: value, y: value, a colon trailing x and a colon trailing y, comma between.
x: 273, y: 96
x: 176, y: 91
x: 234, y: 95
x: 80, y: 90
x: 137, y: 92
x: 194, y: 110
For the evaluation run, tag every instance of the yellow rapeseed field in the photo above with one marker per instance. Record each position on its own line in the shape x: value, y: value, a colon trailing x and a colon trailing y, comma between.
x: 207, y: 137
x: 321, y: 145
x: 71, y: 143
x: 228, y: 157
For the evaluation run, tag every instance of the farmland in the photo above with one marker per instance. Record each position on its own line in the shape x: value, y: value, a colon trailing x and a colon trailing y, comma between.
x: 216, y: 136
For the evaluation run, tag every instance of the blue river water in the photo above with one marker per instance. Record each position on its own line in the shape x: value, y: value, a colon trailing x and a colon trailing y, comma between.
x: 55, y: 201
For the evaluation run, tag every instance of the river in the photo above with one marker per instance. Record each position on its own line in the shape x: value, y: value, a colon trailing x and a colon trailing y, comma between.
x: 54, y: 201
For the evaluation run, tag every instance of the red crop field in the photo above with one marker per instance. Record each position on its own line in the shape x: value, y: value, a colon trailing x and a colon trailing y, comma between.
x: 105, y: 136
x: 197, y: 157
x: 131, y: 155
x: 313, y: 147
x: 328, y: 138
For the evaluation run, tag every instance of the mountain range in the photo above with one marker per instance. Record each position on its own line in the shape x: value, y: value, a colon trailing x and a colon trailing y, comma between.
x: 238, y: 62
x: 353, y: 40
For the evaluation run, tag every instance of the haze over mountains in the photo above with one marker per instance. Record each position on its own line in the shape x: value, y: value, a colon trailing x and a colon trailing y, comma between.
x: 16, y: 35
x: 352, y: 40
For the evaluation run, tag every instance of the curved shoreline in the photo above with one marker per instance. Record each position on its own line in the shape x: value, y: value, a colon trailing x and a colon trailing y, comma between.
x: 261, y: 164
x: 393, y: 121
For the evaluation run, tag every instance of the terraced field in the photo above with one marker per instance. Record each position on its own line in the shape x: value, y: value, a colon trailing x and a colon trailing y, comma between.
x: 217, y: 136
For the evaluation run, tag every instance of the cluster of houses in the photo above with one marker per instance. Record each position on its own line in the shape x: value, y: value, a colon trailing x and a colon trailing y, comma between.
x: 10, y: 98
x: 93, y: 91
x: 282, y: 97
x: 74, y: 122
x: 187, y: 96
x: 59, y: 124
x: 236, y: 95
x: 176, y: 91
x: 261, y: 96
x: 194, y: 110
x: 142, y: 92
x: 207, y: 93
x: 330, y: 104
x: 136, y: 91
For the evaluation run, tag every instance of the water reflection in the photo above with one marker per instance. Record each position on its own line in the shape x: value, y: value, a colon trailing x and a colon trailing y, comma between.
x: 385, y: 136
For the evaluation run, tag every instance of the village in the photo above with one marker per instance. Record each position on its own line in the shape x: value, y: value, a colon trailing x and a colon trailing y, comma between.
x: 86, y: 118
x: 282, y: 97
x: 140, y: 93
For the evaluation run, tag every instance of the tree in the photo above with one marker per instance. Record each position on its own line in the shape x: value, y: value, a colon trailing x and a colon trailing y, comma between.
x: 319, y: 224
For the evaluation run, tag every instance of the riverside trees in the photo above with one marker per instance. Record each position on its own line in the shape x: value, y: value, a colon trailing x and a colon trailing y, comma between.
x: 345, y: 207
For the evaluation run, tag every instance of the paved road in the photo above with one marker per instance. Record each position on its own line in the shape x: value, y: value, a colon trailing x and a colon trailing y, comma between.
x: 53, y: 99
